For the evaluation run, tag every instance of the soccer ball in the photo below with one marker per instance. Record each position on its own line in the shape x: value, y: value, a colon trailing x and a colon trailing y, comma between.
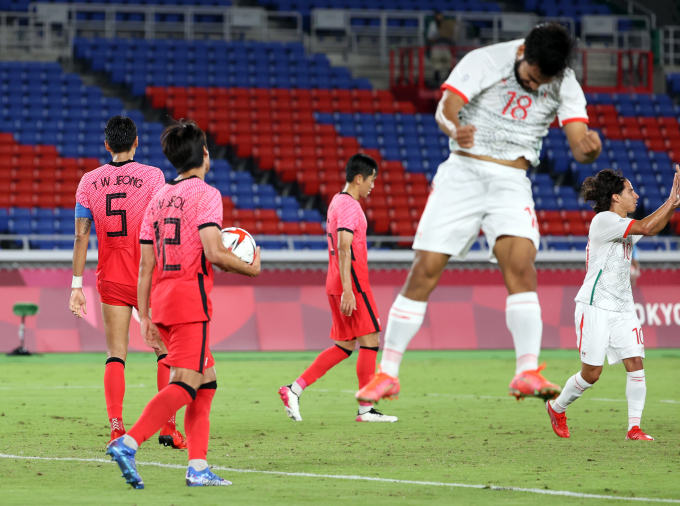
x: 240, y: 243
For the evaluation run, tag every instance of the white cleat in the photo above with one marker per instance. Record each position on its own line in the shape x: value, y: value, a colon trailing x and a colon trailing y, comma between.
x: 291, y: 402
x: 375, y: 416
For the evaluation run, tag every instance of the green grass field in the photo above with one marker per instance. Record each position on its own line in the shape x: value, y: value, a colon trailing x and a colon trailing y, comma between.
x: 456, y: 426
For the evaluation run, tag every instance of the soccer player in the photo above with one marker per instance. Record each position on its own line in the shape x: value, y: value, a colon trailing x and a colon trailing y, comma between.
x: 180, y: 240
x: 496, y: 107
x: 605, y: 318
x: 355, y: 316
x: 115, y: 196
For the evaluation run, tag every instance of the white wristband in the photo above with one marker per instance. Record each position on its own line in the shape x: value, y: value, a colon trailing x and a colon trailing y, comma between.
x: 77, y: 282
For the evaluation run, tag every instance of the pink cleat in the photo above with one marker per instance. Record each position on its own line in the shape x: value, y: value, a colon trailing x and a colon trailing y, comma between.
x: 533, y: 384
x: 636, y: 434
x: 381, y: 386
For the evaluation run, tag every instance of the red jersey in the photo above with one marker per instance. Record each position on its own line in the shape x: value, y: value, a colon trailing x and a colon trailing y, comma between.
x: 183, y: 277
x: 345, y: 213
x: 117, y: 195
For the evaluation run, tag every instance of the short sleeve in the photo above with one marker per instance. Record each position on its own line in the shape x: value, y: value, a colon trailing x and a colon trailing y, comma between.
x: 610, y: 226
x: 349, y: 216
x: 158, y: 183
x: 82, y: 197
x: 474, y: 73
x: 146, y: 232
x: 572, y: 101
x: 210, y: 210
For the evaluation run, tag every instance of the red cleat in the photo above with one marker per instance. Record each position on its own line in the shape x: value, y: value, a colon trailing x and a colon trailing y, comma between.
x: 636, y: 434
x: 533, y: 384
x: 381, y: 386
x: 170, y: 436
x: 558, y: 420
x: 117, y: 428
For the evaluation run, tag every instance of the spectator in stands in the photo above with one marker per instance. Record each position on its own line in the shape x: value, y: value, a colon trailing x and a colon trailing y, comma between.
x: 441, y: 35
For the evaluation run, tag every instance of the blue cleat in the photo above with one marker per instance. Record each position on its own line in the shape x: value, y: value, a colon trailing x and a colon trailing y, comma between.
x: 125, y: 457
x: 205, y: 478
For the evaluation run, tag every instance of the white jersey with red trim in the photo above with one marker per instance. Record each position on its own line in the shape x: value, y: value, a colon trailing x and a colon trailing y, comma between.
x: 511, y: 121
x: 609, y: 252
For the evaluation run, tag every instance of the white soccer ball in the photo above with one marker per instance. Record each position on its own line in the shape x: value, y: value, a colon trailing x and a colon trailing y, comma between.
x: 240, y: 243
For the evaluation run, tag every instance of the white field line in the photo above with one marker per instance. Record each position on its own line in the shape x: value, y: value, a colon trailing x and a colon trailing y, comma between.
x: 564, y: 493
x: 65, y: 387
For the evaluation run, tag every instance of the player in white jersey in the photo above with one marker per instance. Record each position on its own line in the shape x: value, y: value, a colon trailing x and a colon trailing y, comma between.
x: 606, y: 322
x: 496, y: 107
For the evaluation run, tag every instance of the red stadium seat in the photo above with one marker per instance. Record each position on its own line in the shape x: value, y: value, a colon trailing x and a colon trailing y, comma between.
x: 312, y: 228
x: 289, y: 228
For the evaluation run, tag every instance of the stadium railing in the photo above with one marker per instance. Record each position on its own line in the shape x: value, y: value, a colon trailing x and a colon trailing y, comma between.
x: 28, y: 33
x: 669, y: 46
x: 172, y: 21
x: 553, y: 249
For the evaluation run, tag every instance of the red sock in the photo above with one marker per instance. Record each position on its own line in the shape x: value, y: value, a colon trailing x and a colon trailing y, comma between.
x: 326, y: 360
x: 160, y: 409
x: 366, y: 367
x: 162, y: 379
x: 197, y: 421
x: 114, y: 386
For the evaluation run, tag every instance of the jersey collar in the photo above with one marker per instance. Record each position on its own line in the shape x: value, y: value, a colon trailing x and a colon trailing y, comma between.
x: 120, y: 164
x: 177, y: 181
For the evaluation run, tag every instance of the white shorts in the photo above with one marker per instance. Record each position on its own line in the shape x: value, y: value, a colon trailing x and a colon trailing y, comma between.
x: 601, y: 333
x: 469, y: 195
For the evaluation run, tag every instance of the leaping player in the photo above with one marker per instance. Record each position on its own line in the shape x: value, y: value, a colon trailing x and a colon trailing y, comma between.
x: 496, y: 107
x: 115, y: 196
x: 355, y: 316
x: 606, y: 322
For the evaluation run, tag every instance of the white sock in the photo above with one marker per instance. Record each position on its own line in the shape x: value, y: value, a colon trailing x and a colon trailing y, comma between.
x: 523, y: 318
x: 572, y: 390
x: 636, y: 390
x: 296, y: 388
x: 364, y: 409
x: 130, y: 441
x: 198, y: 464
x: 404, y: 320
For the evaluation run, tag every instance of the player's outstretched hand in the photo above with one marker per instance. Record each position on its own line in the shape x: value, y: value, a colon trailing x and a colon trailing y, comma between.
x: 77, y: 303
x: 150, y: 333
x: 465, y: 136
x: 675, y: 190
x: 348, y: 303
x: 591, y: 145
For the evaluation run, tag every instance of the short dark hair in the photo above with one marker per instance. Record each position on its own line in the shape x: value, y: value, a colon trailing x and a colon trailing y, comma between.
x: 360, y: 164
x: 183, y: 142
x: 599, y: 189
x: 550, y: 47
x: 120, y: 134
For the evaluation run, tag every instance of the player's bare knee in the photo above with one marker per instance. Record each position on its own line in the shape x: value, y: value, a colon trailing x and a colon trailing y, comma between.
x: 633, y: 364
x: 347, y: 345
x: 591, y: 374
x: 370, y: 340
x: 423, y: 277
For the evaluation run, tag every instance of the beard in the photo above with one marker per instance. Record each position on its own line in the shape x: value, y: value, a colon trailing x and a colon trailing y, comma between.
x: 519, y: 79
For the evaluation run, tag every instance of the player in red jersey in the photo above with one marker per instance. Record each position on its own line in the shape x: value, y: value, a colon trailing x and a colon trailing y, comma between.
x: 180, y: 240
x: 115, y: 196
x: 355, y: 316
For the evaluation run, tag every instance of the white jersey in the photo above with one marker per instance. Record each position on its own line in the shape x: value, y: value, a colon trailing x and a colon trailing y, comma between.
x: 511, y: 122
x: 609, y: 252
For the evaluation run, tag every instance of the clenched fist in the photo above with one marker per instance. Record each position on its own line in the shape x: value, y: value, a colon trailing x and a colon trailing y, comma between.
x: 590, y: 145
x: 465, y: 136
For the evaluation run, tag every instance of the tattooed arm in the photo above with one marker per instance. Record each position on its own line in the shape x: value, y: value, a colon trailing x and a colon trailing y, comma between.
x: 82, y: 240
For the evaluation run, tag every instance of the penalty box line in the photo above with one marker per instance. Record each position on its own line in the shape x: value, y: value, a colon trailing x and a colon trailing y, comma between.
x: 563, y: 493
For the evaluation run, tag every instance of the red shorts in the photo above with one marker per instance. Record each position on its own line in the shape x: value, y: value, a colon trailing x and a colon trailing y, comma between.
x: 188, y: 345
x: 115, y: 294
x: 364, y: 319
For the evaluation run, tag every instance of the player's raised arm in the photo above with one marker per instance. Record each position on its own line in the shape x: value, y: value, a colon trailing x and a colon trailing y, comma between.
x: 655, y: 222
x: 447, y: 118
x: 217, y: 254
x: 348, y: 303
x: 585, y: 144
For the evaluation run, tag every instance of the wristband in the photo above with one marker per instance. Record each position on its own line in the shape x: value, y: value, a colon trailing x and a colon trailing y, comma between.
x: 77, y: 282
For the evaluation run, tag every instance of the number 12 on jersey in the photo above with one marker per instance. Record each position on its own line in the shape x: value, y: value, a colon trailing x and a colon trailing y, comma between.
x: 520, y: 111
x: 167, y: 240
